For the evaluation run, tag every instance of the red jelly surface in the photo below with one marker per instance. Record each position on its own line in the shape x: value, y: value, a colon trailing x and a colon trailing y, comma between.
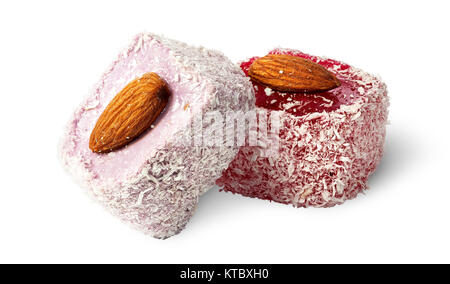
x: 304, y: 103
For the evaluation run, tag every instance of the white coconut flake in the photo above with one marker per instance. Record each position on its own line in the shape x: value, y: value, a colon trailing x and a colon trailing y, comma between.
x: 268, y: 91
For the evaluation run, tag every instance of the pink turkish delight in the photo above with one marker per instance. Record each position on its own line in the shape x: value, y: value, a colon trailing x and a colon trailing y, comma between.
x: 154, y: 183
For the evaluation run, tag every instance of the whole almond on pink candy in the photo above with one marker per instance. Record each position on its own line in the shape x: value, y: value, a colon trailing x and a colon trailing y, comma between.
x: 146, y: 176
x: 288, y: 73
x: 132, y: 112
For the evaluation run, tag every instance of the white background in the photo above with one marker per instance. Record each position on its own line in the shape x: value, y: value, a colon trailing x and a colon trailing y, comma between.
x: 52, y: 52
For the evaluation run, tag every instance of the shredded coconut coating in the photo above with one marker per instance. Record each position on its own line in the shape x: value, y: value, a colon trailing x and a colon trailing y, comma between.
x: 160, y: 198
x: 325, y: 157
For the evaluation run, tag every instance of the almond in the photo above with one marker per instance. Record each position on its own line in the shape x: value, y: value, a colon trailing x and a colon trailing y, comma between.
x: 132, y: 112
x: 287, y: 73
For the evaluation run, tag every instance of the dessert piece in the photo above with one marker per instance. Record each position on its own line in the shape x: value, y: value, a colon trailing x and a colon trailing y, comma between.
x: 126, y: 143
x: 331, y: 134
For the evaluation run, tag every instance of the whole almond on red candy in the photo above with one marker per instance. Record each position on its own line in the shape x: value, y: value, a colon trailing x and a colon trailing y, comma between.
x: 287, y: 73
x: 132, y: 111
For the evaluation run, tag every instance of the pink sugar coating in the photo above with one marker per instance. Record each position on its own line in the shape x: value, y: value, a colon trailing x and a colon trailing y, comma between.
x: 327, y: 151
